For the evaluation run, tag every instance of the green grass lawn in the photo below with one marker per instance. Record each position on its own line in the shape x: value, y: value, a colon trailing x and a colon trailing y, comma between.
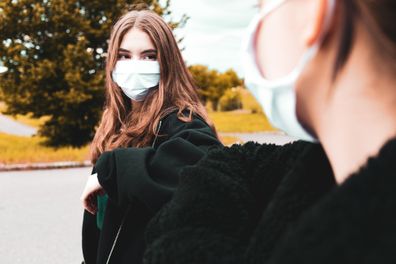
x: 249, y: 102
x: 240, y: 122
x: 249, y: 119
x: 18, y: 149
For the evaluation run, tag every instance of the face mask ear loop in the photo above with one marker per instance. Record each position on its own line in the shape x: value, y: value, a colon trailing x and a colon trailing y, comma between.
x: 269, y: 8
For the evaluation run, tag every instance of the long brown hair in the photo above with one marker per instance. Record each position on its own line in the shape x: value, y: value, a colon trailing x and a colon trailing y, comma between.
x: 122, y: 126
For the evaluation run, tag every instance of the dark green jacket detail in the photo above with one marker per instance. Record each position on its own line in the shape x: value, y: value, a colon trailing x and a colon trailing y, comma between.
x: 138, y: 182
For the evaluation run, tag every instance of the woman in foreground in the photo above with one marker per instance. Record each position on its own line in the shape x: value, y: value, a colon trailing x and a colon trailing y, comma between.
x: 323, y: 70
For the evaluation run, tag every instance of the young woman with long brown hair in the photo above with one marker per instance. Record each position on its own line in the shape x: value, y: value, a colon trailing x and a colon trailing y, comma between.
x: 152, y: 126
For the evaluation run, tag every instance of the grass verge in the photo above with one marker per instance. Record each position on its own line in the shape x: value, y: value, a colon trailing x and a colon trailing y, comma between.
x: 240, y: 122
x: 18, y: 149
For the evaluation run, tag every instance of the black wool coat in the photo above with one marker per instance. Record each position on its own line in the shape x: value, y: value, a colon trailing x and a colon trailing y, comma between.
x: 138, y: 181
x: 277, y: 204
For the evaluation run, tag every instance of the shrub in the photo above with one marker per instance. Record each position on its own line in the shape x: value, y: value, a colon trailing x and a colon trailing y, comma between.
x: 231, y: 100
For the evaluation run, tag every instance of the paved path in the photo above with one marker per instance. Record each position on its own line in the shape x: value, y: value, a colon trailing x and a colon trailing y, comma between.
x: 41, y: 216
x: 10, y: 126
x: 278, y: 138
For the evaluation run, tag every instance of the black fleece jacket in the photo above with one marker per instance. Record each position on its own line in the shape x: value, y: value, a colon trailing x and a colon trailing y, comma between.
x: 138, y: 182
x: 277, y: 204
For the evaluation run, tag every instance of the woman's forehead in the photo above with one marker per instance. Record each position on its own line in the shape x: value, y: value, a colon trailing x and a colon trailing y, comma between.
x: 136, y: 40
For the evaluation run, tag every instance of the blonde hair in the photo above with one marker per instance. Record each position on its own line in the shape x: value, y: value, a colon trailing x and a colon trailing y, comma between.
x: 122, y: 126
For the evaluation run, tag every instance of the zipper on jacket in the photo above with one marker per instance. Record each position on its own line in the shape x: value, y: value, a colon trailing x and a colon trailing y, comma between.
x: 156, y: 133
x: 129, y: 207
x: 117, y: 235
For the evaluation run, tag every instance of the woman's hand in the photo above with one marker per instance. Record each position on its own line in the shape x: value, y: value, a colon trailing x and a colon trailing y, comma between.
x: 91, y: 190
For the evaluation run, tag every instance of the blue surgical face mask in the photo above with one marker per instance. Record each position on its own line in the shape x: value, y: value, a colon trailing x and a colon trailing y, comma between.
x: 278, y: 97
x: 136, y: 77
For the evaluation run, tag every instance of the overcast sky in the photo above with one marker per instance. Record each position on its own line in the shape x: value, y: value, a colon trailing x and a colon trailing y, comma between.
x: 212, y: 35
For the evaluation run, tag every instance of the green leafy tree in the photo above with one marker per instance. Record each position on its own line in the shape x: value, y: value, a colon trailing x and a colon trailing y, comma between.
x: 54, y: 51
x: 204, y: 79
x: 231, y: 100
x: 224, y: 81
x: 213, y: 84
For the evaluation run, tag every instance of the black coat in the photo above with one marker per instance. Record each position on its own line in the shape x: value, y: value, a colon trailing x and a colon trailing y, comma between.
x: 138, y: 182
x: 269, y: 204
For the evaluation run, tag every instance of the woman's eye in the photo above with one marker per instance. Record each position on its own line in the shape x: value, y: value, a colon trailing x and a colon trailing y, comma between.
x: 149, y: 57
x: 122, y: 57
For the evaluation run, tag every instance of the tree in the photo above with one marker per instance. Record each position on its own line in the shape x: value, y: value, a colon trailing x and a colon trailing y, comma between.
x: 231, y: 100
x: 204, y: 79
x: 54, y: 51
x: 224, y: 81
x: 213, y: 84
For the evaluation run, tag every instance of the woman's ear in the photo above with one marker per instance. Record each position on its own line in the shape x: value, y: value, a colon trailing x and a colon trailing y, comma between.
x: 314, y: 28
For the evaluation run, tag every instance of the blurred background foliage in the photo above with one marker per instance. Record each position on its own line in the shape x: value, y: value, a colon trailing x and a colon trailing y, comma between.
x: 54, y: 51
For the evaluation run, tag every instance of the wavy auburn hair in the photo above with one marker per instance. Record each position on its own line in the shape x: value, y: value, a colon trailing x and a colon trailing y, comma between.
x: 121, y: 125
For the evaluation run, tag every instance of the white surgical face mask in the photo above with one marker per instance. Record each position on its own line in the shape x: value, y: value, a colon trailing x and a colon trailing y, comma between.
x: 136, y: 77
x: 278, y: 97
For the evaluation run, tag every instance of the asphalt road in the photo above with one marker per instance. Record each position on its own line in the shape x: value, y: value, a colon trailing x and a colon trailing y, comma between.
x: 41, y: 216
x: 41, y: 212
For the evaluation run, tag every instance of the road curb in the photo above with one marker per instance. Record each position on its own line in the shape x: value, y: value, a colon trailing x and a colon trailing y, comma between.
x: 45, y: 165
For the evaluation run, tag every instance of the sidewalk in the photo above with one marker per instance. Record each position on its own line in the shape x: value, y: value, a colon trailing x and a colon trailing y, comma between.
x: 10, y: 126
x: 278, y: 138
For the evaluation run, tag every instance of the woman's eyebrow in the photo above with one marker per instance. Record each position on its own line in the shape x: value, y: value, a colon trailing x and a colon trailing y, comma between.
x: 123, y: 50
x: 149, y: 50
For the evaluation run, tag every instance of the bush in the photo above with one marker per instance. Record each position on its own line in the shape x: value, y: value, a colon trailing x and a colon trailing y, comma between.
x: 249, y: 102
x: 231, y: 100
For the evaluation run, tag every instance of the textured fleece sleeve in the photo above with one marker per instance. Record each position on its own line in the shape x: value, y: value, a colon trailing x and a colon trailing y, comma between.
x: 151, y: 175
x: 216, y: 206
